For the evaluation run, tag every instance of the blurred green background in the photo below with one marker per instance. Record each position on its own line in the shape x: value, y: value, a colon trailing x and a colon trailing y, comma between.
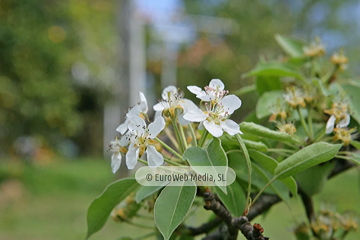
x: 69, y: 70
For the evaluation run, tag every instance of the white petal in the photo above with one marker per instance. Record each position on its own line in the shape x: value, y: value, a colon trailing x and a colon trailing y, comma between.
x: 124, y: 140
x: 137, y: 125
x: 206, y: 98
x: 115, y: 162
x: 195, y: 90
x: 216, y: 83
x: 230, y: 103
x: 188, y: 105
x: 230, y: 127
x: 195, y: 115
x: 132, y: 156
x: 172, y: 89
x: 134, y: 111
x: 123, y: 127
x: 213, y: 128
x: 182, y: 120
x: 330, y: 124
x: 344, y: 122
x: 159, y: 107
x: 156, y: 127
x: 143, y: 103
x: 154, y: 158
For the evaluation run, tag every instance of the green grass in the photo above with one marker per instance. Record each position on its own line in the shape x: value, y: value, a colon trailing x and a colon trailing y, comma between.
x: 56, y: 198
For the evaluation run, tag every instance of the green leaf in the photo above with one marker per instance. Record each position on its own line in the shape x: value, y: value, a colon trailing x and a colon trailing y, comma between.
x: 274, y: 69
x: 267, y: 101
x: 353, y: 98
x: 305, y: 158
x: 292, y: 46
x: 270, y: 164
x: 261, y: 131
x: 312, y: 180
x: 214, y: 155
x: 172, y: 206
x: 356, y: 144
x: 102, y: 206
x: 234, y: 200
x: 230, y: 143
x: 146, y: 191
x: 265, y: 84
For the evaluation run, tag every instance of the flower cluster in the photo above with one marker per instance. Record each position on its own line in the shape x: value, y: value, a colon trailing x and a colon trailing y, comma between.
x: 139, y: 138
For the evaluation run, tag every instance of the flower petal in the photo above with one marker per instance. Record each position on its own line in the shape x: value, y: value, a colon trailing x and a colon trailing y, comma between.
x: 345, y: 122
x: 230, y: 127
x: 195, y: 115
x: 330, y: 124
x: 137, y: 125
x: 172, y: 89
x: 122, y: 128
x: 154, y: 158
x: 195, y: 90
x: 115, y: 162
x: 159, y: 107
x: 124, y: 140
x: 143, y: 103
x: 216, y: 83
x: 188, y: 105
x: 230, y: 103
x: 134, y: 111
x: 132, y: 156
x: 213, y: 128
x: 156, y: 127
x: 207, y: 98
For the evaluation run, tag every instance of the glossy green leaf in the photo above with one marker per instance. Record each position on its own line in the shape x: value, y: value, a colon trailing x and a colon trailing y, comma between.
x: 270, y: 164
x: 234, y: 200
x: 214, y: 155
x: 261, y: 131
x: 292, y: 46
x: 312, y: 180
x: 172, y: 206
x: 305, y: 158
x: 265, y: 84
x: 101, y: 207
x: 267, y: 102
x: 145, y: 191
x: 274, y: 69
x: 353, y: 99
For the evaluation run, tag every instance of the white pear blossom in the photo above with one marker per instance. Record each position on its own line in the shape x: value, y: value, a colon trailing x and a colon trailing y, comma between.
x: 140, y: 138
x: 137, y: 110
x: 214, y: 92
x: 215, y: 118
x: 118, y: 147
x: 339, y: 116
x: 172, y: 100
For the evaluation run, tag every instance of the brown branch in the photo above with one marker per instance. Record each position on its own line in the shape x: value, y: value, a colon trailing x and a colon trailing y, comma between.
x: 206, y: 227
x: 234, y: 224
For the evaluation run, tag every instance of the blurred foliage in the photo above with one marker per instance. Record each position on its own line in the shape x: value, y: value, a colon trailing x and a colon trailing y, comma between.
x: 54, y: 58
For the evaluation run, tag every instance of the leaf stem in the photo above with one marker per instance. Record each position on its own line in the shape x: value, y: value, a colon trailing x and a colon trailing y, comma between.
x: 310, y: 123
x: 303, y: 123
x: 171, y: 162
x: 203, y: 138
x: 319, y: 136
x: 172, y: 139
x: 248, y: 164
x: 263, y: 189
x: 168, y: 148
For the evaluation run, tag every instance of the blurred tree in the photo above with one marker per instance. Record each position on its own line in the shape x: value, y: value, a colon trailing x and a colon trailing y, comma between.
x: 56, y: 65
